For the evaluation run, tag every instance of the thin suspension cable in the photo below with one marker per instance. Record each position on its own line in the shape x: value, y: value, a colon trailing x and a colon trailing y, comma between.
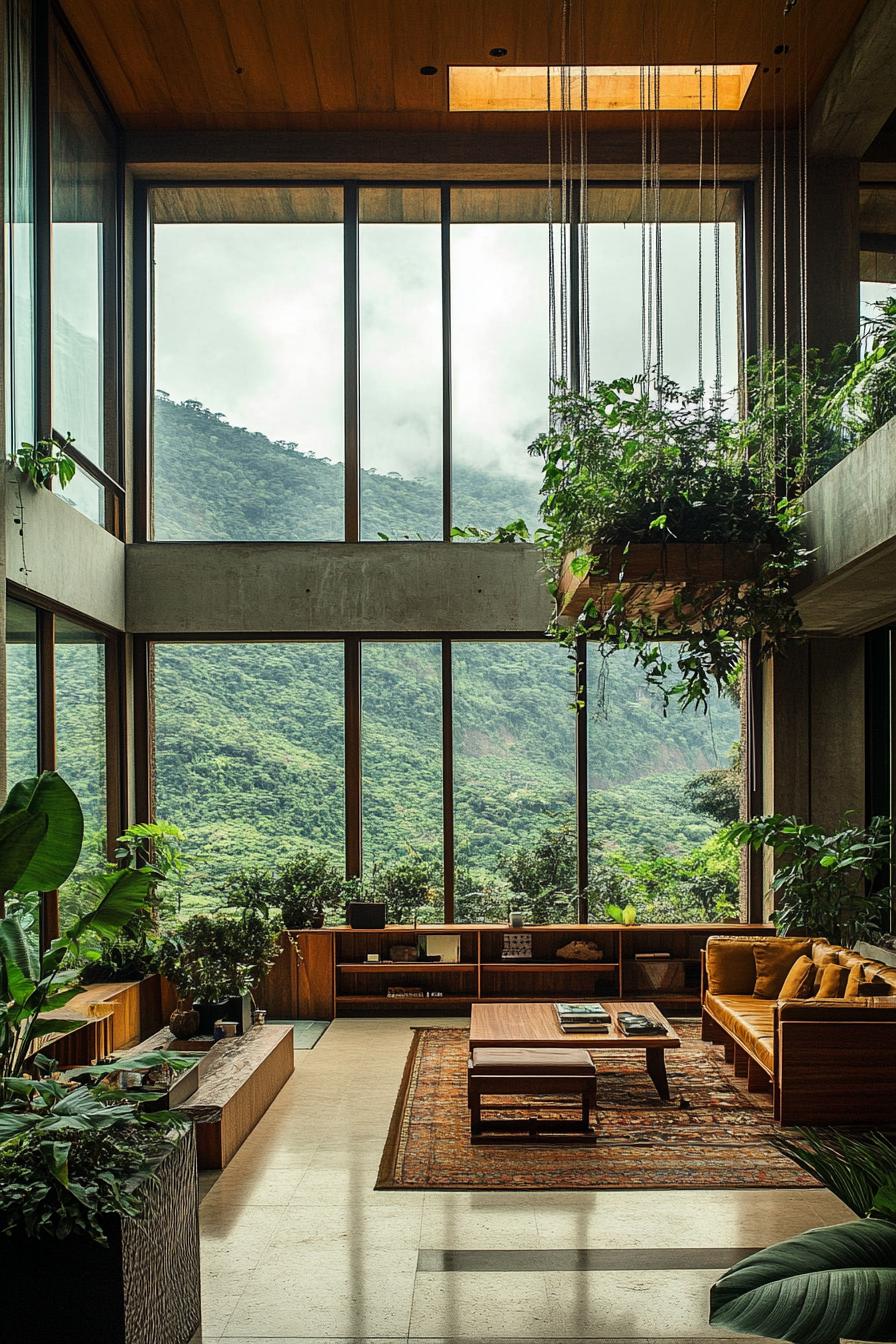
x: 700, y: 242
x: 549, y: 211
x: 658, y: 218
x: 584, y: 261
x: 645, y: 371
x: 717, y: 390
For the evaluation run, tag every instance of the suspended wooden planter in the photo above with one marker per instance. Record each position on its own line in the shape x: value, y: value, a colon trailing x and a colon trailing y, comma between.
x: 653, y: 575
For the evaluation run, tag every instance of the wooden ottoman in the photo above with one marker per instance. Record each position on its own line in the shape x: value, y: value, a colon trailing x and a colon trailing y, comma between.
x: 521, y: 1072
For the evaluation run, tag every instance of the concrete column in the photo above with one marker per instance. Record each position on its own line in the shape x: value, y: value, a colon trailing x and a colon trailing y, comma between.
x: 832, y: 252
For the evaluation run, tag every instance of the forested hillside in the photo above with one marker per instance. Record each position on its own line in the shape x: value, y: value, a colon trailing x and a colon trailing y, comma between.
x: 249, y: 746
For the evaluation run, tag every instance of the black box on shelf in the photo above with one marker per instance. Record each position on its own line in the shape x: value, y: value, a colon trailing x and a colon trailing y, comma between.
x: 366, y: 914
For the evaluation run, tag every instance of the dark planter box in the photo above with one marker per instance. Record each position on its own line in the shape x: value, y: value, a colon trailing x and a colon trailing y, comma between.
x: 143, y: 1288
x: 238, y: 1010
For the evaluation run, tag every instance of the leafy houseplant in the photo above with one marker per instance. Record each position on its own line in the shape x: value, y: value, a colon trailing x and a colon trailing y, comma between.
x: 832, y: 1282
x: 306, y: 888
x: 825, y: 884
x: 407, y: 888
x: 133, y: 954
x: 215, y: 960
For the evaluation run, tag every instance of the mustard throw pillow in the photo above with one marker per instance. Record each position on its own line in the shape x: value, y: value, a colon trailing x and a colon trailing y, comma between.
x: 855, y: 978
x: 799, y: 982
x: 773, y: 958
x: 832, y: 982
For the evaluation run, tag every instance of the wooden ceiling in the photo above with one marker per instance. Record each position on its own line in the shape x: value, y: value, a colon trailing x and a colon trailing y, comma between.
x: 355, y: 64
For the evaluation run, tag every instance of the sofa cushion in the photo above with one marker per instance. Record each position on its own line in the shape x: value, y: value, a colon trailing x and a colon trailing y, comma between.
x: 730, y: 968
x: 822, y: 952
x: 832, y: 982
x: 748, y: 1020
x: 799, y: 982
x: 774, y: 958
x: 854, y: 979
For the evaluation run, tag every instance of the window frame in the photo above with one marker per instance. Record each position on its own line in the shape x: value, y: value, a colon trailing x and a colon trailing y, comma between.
x: 144, y: 325
x: 50, y: 27
x: 353, y: 730
x: 115, y: 714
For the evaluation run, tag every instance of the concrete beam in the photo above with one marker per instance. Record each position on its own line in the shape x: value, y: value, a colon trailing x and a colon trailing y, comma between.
x: 330, y: 588
x: 850, y: 586
x: 434, y: 155
x: 69, y: 560
x: 859, y: 94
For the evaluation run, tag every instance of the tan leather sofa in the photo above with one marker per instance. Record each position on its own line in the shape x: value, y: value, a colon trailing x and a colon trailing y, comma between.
x: 826, y: 1061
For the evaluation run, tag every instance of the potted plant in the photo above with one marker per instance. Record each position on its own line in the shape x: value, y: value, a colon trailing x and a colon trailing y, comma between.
x: 133, y: 955
x: 105, y: 1195
x: 406, y: 888
x: 831, y: 1283
x: 213, y: 961
x: 306, y: 888
x: 825, y: 885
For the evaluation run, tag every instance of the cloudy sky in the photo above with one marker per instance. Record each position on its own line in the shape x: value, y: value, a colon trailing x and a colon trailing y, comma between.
x: 249, y: 322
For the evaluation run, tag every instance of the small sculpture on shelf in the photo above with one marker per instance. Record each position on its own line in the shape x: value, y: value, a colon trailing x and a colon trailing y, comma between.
x: 580, y: 950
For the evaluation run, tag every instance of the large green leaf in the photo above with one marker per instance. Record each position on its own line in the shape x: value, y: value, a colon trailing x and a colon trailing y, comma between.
x: 125, y: 892
x: 817, y: 1288
x: 58, y: 852
x: 20, y: 834
x: 20, y: 966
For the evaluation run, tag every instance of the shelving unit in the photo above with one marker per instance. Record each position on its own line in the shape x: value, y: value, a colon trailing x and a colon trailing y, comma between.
x: 334, y: 977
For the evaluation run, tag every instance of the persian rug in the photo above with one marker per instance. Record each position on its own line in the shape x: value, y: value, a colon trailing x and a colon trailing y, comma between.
x: 712, y: 1135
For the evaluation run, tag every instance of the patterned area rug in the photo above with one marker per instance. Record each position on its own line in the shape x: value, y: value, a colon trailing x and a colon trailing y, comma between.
x: 712, y: 1135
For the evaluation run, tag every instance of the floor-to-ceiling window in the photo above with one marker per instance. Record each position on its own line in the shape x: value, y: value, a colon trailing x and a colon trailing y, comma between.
x: 22, y: 692
x: 401, y: 771
x: 248, y: 431
x: 83, y: 275
x: 249, y: 747
x: 19, y: 221
x: 80, y: 678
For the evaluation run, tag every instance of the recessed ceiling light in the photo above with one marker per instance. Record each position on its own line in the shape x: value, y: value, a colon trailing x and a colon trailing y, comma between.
x: 610, y: 88
x: 429, y: 69
x: 498, y: 51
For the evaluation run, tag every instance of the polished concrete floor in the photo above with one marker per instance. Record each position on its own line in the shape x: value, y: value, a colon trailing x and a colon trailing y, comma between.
x: 298, y: 1246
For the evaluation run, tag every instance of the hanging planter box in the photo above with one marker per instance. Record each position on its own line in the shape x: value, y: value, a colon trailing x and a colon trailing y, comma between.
x: 654, y: 575
x: 143, y: 1288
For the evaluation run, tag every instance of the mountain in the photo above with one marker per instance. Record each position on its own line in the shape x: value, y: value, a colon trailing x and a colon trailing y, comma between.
x: 249, y: 745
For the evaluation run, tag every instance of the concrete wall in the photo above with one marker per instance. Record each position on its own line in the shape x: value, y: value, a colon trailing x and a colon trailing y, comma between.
x: 69, y: 560
x: 184, y: 588
x: 851, y: 526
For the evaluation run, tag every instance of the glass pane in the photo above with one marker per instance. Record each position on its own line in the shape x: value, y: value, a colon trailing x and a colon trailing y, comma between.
x: 81, y: 748
x: 499, y: 351
x: 400, y: 287
x: 19, y: 216
x: 249, y: 754
x: 84, y: 253
x: 401, y: 765
x: 248, y: 410
x: 615, y: 303
x: 659, y: 791
x: 514, y: 781
x: 21, y: 692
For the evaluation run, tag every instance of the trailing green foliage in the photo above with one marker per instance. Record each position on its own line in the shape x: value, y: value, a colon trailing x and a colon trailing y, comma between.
x: 633, y: 462
x: 44, y: 462
x: 825, y: 884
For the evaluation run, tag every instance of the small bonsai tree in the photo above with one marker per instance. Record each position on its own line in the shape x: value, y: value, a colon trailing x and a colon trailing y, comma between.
x: 306, y: 888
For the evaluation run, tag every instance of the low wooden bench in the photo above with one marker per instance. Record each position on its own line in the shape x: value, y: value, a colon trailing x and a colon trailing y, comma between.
x: 520, y: 1072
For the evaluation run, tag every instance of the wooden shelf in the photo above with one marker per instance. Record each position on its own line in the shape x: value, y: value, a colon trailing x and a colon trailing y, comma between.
x: 383, y: 998
x: 550, y: 966
x: 355, y: 967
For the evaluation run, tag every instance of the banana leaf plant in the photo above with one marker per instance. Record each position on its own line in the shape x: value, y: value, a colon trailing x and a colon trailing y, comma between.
x: 41, y: 831
x: 830, y: 1283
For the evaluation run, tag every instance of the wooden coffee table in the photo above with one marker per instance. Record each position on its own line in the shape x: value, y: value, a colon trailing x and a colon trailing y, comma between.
x: 535, y: 1024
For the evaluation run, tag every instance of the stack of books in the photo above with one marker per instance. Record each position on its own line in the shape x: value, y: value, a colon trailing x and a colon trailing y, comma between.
x: 588, y: 1018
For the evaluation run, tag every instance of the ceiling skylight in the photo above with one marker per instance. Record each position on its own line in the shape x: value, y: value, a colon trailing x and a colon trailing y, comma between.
x: 610, y: 88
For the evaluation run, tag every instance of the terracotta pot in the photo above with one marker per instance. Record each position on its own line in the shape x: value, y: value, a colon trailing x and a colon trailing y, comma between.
x: 184, y: 1023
